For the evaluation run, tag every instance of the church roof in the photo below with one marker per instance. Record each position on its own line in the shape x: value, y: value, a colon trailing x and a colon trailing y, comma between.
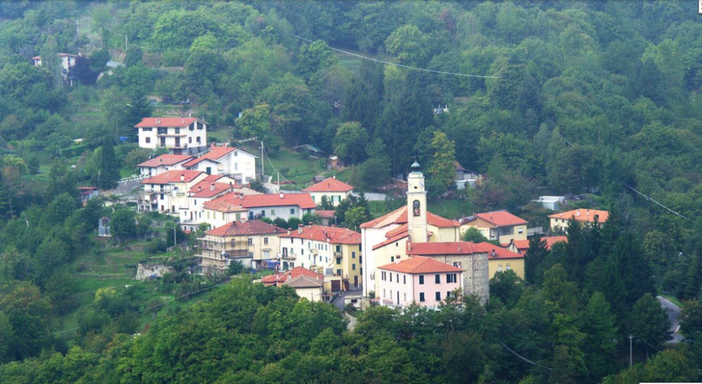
x: 399, y: 216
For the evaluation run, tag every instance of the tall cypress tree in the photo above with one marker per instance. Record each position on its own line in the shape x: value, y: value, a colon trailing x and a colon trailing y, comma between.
x: 535, y: 255
x: 109, y: 166
x: 693, y: 279
x: 599, y: 326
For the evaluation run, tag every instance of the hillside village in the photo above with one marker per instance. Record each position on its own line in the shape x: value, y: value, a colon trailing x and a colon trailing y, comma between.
x: 209, y: 187
x: 350, y: 192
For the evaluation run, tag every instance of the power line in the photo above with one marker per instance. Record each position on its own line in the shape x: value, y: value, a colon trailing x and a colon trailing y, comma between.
x: 398, y: 65
x: 522, y: 357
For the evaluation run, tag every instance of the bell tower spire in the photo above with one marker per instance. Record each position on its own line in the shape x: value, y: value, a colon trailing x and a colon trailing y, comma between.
x: 416, y: 205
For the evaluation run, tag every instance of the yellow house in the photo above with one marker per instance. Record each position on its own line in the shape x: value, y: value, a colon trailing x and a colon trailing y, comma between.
x: 334, y: 190
x: 500, y: 259
x: 559, y: 221
x: 331, y: 251
x: 252, y: 243
x: 499, y: 225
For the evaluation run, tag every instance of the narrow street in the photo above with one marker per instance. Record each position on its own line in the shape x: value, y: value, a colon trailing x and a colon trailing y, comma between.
x: 674, y: 315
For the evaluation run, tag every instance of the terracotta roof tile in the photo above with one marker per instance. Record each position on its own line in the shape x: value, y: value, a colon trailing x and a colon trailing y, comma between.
x: 208, y: 189
x: 585, y: 215
x: 302, y: 200
x: 164, y: 160
x: 304, y: 281
x: 164, y: 122
x: 279, y: 278
x: 550, y: 240
x: 329, y: 185
x: 173, y: 177
x: 391, y: 240
x: 501, y: 218
x: 335, y: 235
x: 461, y: 248
x: 399, y: 216
x: 215, y: 153
x: 243, y: 228
x: 420, y: 264
x: 324, y: 213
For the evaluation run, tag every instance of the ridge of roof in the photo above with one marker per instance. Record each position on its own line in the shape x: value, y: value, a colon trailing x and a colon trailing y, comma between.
x: 240, y: 228
x: 165, y: 159
x: 173, y: 177
x: 166, y: 122
x: 329, y: 185
x: 399, y: 216
x: 420, y: 264
x: 335, y: 235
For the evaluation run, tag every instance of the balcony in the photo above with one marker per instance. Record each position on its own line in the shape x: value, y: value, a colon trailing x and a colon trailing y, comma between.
x: 338, y: 254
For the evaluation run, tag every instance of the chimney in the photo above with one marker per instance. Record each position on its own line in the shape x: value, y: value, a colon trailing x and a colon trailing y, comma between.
x: 212, y: 186
x: 299, y: 228
x: 493, y: 253
x: 231, y: 187
x: 182, y: 177
x: 158, y: 121
x: 160, y: 159
x: 199, y: 188
x: 578, y: 213
x: 281, y: 196
x: 182, y: 121
x: 459, y: 247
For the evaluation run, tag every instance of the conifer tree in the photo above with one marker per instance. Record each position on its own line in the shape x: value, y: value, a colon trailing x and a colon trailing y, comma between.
x: 535, y: 255
x: 599, y: 326
x: 109, y: 166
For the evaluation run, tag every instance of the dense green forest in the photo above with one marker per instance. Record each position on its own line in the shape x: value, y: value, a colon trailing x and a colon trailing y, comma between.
x: 563, y: 97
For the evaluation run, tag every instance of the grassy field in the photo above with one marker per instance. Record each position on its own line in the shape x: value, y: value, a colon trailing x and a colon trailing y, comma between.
x: 451, y: 209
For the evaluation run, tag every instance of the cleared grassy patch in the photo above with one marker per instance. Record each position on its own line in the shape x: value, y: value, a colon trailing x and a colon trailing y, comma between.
x: 450, y: 209
x: 673, y: 300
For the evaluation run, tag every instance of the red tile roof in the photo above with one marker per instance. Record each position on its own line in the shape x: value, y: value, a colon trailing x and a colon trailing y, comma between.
x: 420, y: 264
x: 399, y: 216
x: 501, y: 218
x: 550, y: 240
x: 173, y: 177
x: 208, y: 189
x: 304, y: 281
x: 324, y: 213
x: 495, y: 252
x: 391, y: 240
x: 302, y: 200
x: 401, y: 229
x: 213, y: 154
x: 164, y: 160
x: 329, y: 185
x: 585, y: 215
x: 279, y: 278
x: 335, y: 235
x: 164, y: 122
x: 444, y: 248
x: 245, y: 228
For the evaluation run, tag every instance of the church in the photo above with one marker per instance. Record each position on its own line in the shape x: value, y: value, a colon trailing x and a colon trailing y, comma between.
x: 411, y: 231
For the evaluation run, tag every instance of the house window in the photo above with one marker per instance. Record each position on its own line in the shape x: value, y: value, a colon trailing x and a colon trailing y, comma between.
x: 194, y: 201
x: 437, y: 279
x: 162, y: 131
x: 448, y: 294
x: 404, y: 279
x: 233, y: 242
x: 451, y: 278
x: 250, y: 241
x: 383, y: 293
x: 457, y: 264
x: 147, y: 140
x: 338, y: 272
x: 272, y: 212
x: 236, y: 153
x: 499, y: 268
x: 421, y: 297
x: 338, y: 260
x: 162, y: 196
x: 197, y: 139
x: 353, y: 266
x: 292, y: 211
x: 405, y: 297
x: 507, y: 267
x: 353, y: 255
x: 382, y: 276
x: 390, y: 277
x: 438, y: 296
x: 177, y: 131
x: 190, y: 139
x: 421, y: 279
x: 263, y: 212
x: 265, y: 241
x: 520, y: 230
x: 338, y: 248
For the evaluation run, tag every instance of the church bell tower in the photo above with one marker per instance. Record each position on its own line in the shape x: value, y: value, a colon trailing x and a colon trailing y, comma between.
x: 416, y: 205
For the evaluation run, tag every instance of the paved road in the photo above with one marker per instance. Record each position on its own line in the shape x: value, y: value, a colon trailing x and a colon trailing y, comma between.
x: 674, y: 315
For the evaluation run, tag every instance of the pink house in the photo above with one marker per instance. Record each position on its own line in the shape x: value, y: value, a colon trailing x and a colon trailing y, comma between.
x: 419, y: 279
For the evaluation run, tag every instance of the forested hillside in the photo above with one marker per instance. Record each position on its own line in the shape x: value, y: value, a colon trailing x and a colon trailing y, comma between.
x: 543, y: 97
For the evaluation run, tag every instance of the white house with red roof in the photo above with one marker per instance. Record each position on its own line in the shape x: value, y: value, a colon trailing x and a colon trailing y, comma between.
x: 420, y: 280
x: 332, y: 251
x: 161, y: 164
x: 181, y: 135
x: 224, y: 160
x: 498, y: 225
x: 167, y: 192
x: 239, y: 206
x: 332, y: 189
x: 306, y: 283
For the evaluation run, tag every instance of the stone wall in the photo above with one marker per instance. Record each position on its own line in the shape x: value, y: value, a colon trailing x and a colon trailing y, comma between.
x: 146, y: 271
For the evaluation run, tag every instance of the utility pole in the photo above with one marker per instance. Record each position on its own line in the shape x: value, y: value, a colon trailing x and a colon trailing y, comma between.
x: 631, y: 340
x: 175, y: 234
x: 263, y: 170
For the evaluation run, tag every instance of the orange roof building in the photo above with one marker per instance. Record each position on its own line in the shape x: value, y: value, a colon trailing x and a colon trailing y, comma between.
x: 559, y: 221
x: 521, y: 246
x: 251, y: 243
x: 420, y: 280
x: 498, y: 225
x: 331, y: 189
